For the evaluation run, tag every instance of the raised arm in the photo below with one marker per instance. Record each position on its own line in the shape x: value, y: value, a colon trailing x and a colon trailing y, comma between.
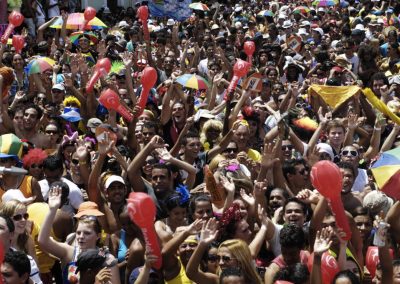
x: 48, y: 244
x: 166, y: 105
x: 322, y: 244
x: 393, y: 217
x: 388, y: 143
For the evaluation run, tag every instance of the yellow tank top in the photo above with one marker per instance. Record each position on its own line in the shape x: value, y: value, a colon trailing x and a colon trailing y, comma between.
x: 181, y: 278
x: 25, y: 187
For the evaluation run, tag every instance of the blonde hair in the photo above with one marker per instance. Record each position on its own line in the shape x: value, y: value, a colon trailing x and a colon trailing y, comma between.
x: 213, y: 166
x: 211, y: 123
x: 8, y: 209
x: 240, y: 250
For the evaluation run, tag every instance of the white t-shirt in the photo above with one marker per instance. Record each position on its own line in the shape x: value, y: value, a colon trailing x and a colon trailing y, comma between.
x: 75, y: 195
x: 361, y: 181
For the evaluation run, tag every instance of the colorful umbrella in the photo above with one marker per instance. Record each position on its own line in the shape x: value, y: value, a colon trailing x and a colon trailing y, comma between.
x: 74, y: 37
x: 301, y: 10
x: 39, y: 65
x: 199, y: 6
x: 392, y: 21
x: 325, y: 3
x: 75, y: 21
x: 266, y: 13
x: 386, y: 171
x: 192, y: 81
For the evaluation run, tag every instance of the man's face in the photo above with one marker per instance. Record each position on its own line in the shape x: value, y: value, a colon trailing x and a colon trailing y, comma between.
x: 364, y: 225
x: 52, y: 176
x: 350, y: 154
x: 147, y: 134
x: 10, y: 276
x: 241, y: 136
x: 301, y: 178
x: 30, y: 118
x: 192, y: 147
x: 160, y: 180
x: 336, y: 136
x: 376, y: 86
x: 178, y: 113
x: 294, y: 214
x: 348, y: 180
x: 276, y: 200
x: 57, y: 96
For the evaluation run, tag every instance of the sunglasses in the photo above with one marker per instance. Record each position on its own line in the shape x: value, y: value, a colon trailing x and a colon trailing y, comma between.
x: 217, y: 258
x: 231, y: 150
x: 19, y: 217
x: 303, y: 171
x: 151, y: 162
x: 75, y: 161
x: 88, y: 217
x: 287, y: 147
x: 349, y: 153
x: 34, y: 166
x: 51, y: 132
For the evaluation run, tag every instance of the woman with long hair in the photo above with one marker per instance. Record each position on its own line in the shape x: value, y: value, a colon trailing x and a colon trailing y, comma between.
x: 231, y: 253
x: 22, y: 240
x: 88, y: 233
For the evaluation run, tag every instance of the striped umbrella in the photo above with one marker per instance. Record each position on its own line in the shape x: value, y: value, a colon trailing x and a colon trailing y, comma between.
x: 199, y: 6
x: 39, y: 65
x: 266, y: 13
x: 193, y: 82
x: 76, y: 21
x: 74, y: 37
x: 301, y: 10
x: 325, y: 3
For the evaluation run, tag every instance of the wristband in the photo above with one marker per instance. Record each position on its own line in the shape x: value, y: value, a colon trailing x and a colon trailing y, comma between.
x: 377, y: 129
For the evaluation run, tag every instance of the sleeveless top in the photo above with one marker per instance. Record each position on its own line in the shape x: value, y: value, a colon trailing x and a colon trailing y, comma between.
x: 25, y: 187
x: 122, y: 248
x: 181, y: 278
x: 282, y: 264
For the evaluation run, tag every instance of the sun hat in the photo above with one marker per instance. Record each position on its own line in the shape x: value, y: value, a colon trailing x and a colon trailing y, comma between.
x: 88, y: 208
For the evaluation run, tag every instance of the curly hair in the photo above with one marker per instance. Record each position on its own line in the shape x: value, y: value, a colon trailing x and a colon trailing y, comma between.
x: 34, y: 156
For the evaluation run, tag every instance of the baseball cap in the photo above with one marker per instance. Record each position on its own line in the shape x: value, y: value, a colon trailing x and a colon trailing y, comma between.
x: 113, y: 178
x: 71, y: 114
x: 377, y: 201
x: 319, y: 30
x: 93, y: 122
x: 58, y: 87
x: 170, y: 22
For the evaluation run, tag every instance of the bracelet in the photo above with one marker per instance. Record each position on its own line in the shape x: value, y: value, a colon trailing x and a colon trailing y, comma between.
x: 82, y: 162
x: 377, y: 129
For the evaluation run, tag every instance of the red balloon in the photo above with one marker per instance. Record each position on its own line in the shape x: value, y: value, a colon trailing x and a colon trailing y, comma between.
x: 327, y: 179
x: 240, y: 69
x: 149, y: 78
x: 18, y: 41
x: 89, y: 13
x: 143, y: 13
x: 372, y: 259
x: 102, y: 68
x: 142, y: 212
x: 110, y: 100
x: 15, y: 20
x: 329, y: 267
x: 249, y: 48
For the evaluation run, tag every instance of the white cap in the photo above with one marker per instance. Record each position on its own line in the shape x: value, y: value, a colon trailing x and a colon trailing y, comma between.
x: 282, y: 16
x: 302, y: 31
x: 359, y: 27
x: 58, y: 87
x: 15, y: 194
x: 305, y: 23
x: 113, y: 178
x: 123, y: 24
x: 287, y: 24
x: 319, y: 30
x: 320, y: 9
x: 238, y: 25
x: 325, y: 148
x: 238, y: 8
x: 214, y: 27
x: 170, y: 22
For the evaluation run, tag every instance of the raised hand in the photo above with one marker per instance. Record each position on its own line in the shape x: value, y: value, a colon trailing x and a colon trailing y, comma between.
x: 248, y: 198
x: 103, y: 276
x: 227, y: 184
x: 352, y: 121
x: 209, y: 231
x: 81, y: 150
x: 260, y: 187
x: 105, y: 145
x: 127, y: 58
x: 157, y: 142
x: 164, y: 154
x: 55, y: 197
x: 322, y: 241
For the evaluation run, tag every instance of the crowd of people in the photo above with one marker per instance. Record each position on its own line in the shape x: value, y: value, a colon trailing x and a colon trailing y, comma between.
x: 229, y: 171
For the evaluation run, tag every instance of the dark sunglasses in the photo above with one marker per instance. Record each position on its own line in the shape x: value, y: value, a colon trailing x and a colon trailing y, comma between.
x: 218, y: 258
x: 231, y: 150
x: 349, y: 153
x: 75, y: 161
x: 19, y: 217
x: 51, y: 132
x: 34, y: 166
x: 88, y: 217
x: 303, y: 171
x: 151, y: 162
x: 287, y: 147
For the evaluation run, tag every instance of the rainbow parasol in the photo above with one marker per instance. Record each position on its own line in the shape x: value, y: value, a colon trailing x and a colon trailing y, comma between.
x: 266, y: 13
x: 74, y: 37
x: 39, y: 65
x: 386, y: 171
x: 301, y: 10
x: 193, y: 81
x: 324, y: 3
x: 76, y: 21
x: 199, y: 6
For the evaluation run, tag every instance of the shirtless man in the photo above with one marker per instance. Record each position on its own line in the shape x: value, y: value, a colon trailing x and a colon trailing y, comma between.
x: 32, y: 115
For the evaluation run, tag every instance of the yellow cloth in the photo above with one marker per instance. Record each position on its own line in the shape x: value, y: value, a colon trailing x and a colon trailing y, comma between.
x: 334, y: 96
x: 254, y: 155
x: 37, y: 213
x: 381, y: 106
x: 181, y: 278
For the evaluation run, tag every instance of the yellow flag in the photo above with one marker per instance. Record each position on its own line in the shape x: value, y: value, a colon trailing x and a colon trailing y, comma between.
x: 334, y: 96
